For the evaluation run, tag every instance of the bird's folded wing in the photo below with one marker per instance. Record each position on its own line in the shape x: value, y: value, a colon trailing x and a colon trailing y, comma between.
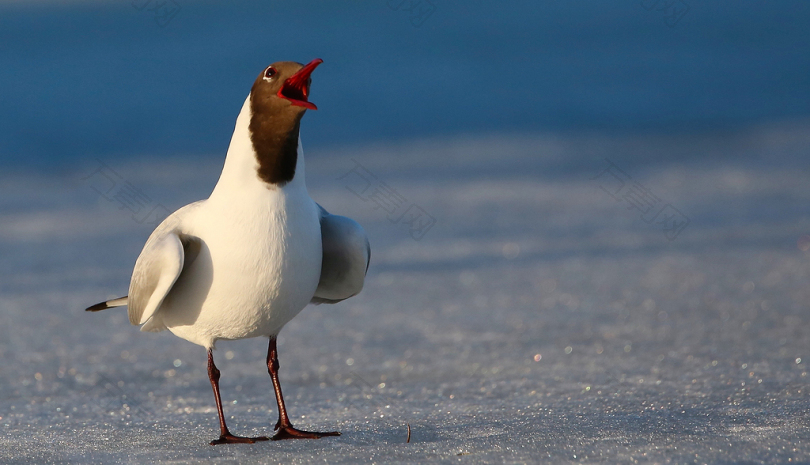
x: 346, y: 256
x: 156, y: 271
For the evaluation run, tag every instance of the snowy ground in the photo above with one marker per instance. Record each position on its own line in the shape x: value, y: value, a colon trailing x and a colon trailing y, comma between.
x: 538, y: 320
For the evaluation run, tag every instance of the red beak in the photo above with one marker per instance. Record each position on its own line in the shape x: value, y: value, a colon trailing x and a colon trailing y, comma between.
x: 296, y: 87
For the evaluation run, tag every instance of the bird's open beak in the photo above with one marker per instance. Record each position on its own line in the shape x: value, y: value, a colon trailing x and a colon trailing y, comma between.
x: 296, y: 87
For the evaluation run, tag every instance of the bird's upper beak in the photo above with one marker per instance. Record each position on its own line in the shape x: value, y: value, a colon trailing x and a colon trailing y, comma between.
x: 296, y: 87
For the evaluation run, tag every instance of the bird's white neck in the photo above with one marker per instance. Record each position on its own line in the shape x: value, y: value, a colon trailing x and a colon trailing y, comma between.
x: 240, y: 173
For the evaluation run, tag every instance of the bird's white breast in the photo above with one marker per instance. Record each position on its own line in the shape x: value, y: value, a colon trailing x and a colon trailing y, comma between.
x: 258, y: 267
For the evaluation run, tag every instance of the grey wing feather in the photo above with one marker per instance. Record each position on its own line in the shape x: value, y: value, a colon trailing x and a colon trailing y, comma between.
x: 159, y: 266
x: 156, y: 271
x: 346, y: 257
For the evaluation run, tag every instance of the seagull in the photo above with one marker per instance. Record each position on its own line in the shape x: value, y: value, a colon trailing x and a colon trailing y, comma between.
x: 248, y: 259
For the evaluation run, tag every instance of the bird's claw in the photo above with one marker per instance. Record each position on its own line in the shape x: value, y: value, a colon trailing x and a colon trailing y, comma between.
x: 231, y: 439
x: 288, y: 432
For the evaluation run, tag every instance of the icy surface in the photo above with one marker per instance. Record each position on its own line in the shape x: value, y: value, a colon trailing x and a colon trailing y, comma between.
x: 539, y: 320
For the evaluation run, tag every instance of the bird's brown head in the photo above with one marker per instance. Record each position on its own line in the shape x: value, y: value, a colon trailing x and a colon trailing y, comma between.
x: 278, y: 100
x: 283, y: 88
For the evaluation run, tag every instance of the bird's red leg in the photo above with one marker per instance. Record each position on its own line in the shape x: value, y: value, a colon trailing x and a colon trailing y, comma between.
x: 285, y: 429
x: 225, y: 436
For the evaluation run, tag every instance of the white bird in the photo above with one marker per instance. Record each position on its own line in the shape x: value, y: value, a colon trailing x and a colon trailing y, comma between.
x: 248, y: 259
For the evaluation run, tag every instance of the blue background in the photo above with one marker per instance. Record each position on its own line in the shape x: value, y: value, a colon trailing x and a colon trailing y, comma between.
x: 81, y: 80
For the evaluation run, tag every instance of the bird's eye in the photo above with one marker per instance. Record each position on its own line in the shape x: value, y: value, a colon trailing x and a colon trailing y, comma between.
x: 270, y: 72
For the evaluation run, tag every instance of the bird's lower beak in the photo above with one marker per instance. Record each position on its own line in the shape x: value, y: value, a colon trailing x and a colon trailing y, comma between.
x: 296, y: 87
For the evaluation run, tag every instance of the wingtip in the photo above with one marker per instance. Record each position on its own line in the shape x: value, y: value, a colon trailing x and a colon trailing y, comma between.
x: 97, y: 307
x: 119, y: 302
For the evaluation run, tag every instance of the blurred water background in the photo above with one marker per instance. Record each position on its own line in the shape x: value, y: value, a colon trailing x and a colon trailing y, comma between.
x: 87, y: 79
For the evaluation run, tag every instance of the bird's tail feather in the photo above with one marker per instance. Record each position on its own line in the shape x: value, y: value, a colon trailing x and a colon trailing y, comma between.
x: 119, y: 302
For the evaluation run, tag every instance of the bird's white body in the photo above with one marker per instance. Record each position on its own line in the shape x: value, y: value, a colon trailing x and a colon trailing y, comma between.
x: 256, y: 256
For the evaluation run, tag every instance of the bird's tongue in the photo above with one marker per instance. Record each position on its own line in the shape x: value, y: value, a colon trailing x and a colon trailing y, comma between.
x: 296, y: 87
